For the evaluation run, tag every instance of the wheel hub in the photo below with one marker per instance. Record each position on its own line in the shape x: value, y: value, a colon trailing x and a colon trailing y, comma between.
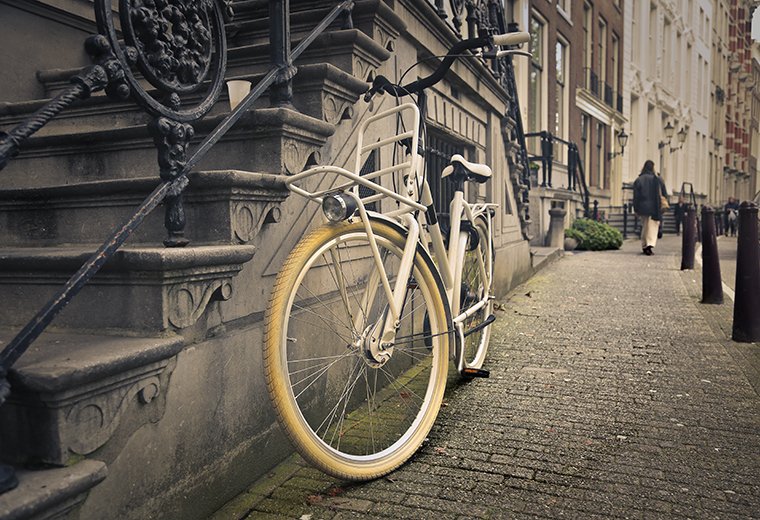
x: 376, y: 351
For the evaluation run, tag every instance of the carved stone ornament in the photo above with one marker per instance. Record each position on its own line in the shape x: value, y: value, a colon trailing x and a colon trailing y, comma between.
x: 91, y: 423
x: 362, y: 68
x: 296, y: 155
x: 248, y: 217
x: 179, y: 46
x: 188, y: 301
x: 335, y: 109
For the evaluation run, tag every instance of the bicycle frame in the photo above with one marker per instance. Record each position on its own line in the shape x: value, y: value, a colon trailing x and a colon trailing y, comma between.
x: 414, y: 203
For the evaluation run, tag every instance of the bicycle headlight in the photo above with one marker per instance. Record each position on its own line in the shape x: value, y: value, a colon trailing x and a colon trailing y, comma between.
x: 338, y: 207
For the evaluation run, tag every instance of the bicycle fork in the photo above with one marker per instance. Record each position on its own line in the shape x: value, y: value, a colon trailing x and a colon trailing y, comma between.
x: 379, y: 337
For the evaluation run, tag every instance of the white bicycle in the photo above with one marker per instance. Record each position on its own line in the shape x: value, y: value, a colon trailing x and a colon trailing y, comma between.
x: 366, y: 309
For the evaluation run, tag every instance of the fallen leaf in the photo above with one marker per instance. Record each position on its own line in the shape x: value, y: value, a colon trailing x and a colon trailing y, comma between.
x: 335, y: 491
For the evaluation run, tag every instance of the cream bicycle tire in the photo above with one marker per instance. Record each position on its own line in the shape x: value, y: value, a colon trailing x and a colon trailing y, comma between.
x: 285, y: 326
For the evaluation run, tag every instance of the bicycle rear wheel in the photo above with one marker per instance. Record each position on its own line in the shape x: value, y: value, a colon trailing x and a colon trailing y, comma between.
x: 474, y: 283
x: 348, y: 414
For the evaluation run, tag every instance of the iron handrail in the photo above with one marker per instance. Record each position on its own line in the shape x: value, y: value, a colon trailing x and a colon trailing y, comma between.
x: 32, y: 330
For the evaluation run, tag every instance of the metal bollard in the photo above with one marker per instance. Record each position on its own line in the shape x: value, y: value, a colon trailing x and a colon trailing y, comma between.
x: 712, y: 288
x: 747, y: 299
x: 689, y: 241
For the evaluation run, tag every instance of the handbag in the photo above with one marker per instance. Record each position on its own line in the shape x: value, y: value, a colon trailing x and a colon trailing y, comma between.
x: 664, y: 204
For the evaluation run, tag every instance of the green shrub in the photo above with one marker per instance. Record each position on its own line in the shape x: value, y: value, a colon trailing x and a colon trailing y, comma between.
x: 594, y: 236
x: 576, y: 234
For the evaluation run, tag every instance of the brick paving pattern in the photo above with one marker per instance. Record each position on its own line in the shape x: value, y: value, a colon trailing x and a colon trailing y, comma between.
x: 613, y: 394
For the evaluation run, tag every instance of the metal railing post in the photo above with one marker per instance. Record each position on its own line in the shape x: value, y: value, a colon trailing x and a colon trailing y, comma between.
x: 625, y: 220
x: 571, y: 166
x: 596, y: 210
x: 281, y: 93
x: 712, y: 287
x: 746, y: 327
x: 689, y: 241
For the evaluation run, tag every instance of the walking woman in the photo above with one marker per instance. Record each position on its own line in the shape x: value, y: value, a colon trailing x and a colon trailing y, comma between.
x: 648, y: 192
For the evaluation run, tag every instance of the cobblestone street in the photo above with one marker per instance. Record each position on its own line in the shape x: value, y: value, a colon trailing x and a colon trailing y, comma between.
x: 613, y: 393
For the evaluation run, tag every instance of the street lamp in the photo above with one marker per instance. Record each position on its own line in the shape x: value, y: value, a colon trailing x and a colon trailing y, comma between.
x: 669, y: 129
x: 622, y: 138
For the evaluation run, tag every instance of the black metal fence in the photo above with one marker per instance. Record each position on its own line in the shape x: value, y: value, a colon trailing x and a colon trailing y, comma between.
x: 576, y: 175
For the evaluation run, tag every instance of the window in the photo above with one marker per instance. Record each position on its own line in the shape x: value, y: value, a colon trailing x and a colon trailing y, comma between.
x: 370, y: 165
x: 439, y: 150
x: 667, y: 54
x: 564, y: 7
x: 536, y: 79
x: 561, y: 98
x: 678, y: 65
x: 588, y: 46
x: 599, y: 177
x: 615, y: 70
x: 687, y: 72
x: 635, y: 36
x: 652, y: 43
x: 585, y: 125
x: 602, y: 65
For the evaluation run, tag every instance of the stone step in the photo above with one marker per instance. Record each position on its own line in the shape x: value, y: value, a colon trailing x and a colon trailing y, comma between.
x: 319, y: 89
x: 70, y: 393
x: 140, y: 290
x: 373, y: 17
x: 221, y: 207
x: 265, y: 140
x: 52, y: 492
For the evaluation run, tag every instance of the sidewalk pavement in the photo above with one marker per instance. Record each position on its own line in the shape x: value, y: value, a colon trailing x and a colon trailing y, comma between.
x: 613, y: 394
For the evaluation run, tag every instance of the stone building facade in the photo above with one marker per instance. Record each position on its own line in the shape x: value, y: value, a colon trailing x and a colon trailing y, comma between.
x: 670, y: 83
x: 739, y: 179
x: 146, y: 398
x: 573, y: 89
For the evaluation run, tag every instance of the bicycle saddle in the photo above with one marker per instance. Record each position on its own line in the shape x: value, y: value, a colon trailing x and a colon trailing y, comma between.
x: 471, y: 171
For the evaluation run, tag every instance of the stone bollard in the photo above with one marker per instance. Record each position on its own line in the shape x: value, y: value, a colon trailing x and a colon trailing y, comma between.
x: 712, y: 287
x: 689, y: 241
x: 747, y: 298
x: 556, y: 235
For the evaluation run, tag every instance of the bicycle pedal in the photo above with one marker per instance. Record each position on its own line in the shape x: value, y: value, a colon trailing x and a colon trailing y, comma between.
x: 475, y: 372
x: 486, y: 322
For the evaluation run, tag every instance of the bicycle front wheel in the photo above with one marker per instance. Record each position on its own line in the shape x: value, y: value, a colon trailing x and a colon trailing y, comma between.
x: 476, y: 282
x: 348, y: 413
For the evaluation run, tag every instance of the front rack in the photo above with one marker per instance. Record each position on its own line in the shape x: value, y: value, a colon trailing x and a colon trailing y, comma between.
x: 370, y: 180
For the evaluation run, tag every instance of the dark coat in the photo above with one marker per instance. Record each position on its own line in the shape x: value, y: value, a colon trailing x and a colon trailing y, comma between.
x: 647, y: 189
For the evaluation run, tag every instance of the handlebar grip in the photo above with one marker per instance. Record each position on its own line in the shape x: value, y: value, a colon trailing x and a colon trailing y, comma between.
x: 513, y: 52
x: 515, y: 38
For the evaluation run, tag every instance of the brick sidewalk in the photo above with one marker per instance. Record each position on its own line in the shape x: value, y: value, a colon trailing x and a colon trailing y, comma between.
x: 613, y: 393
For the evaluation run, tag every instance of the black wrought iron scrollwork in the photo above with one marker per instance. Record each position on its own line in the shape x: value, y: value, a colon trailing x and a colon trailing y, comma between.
x: 457, y: 7
x: 171, y: 139
x: 178, y: 46
x: 173, y: 42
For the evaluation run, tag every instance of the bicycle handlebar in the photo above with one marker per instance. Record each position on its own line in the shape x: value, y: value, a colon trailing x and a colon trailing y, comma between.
x: 382, y: 84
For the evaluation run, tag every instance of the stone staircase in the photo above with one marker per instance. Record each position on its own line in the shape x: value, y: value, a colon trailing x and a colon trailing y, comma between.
x: 615, y: 219
x: 159, y: 355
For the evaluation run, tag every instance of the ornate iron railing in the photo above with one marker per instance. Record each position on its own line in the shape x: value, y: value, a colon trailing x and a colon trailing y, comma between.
x: 470, y: 18
x: 178, y: 64
x: 576, y: 176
